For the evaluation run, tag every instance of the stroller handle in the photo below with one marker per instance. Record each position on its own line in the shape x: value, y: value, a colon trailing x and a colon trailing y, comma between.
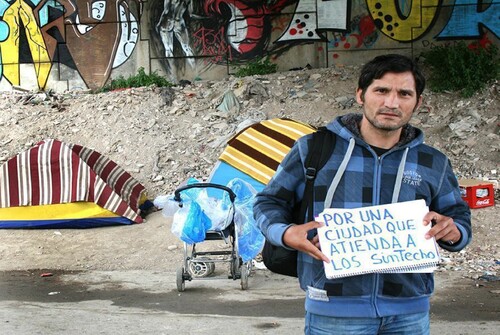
x: 177, y: 193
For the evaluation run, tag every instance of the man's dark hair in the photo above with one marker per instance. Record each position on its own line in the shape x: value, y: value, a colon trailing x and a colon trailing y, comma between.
x: 380, y: 65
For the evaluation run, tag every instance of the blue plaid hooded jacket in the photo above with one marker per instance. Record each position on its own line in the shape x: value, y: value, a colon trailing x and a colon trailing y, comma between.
x: 409, y: 171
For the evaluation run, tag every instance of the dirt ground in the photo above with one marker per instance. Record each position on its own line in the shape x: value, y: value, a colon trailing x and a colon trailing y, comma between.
x: 163, y: 137
x: 150, y: 252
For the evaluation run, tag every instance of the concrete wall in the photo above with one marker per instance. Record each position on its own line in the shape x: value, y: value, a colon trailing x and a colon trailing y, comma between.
x: 82, y: 44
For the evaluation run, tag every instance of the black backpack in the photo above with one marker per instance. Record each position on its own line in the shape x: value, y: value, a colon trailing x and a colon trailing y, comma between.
x: 284, y: 261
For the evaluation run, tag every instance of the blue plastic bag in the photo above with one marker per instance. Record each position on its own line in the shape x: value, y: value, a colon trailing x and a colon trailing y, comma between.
x: 191, y: 223
x: 250, y: 238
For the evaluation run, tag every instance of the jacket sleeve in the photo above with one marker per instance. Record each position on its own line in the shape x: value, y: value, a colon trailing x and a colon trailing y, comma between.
x: 273, y: 206
x: 449, y: 202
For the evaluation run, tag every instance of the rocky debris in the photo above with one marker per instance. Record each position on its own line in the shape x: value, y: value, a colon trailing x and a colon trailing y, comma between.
x: 163, y: 136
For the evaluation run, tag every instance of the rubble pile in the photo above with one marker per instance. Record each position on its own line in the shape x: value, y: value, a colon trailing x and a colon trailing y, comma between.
x: 163, y: 136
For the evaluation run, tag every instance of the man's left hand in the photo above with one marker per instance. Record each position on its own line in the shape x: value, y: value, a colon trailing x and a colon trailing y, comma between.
x: 443, y: 228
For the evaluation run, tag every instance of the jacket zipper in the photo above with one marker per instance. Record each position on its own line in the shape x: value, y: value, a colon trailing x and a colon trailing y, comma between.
x: 376, y: 202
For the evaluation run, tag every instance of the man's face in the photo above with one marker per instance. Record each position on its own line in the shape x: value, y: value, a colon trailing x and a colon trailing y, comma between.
x: 389, y: 102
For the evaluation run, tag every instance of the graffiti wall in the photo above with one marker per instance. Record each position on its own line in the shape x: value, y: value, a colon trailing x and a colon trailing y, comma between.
x: 49, y: 39
x: 83, y: 44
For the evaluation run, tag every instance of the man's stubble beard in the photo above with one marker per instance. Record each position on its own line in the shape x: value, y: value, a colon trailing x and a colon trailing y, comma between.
x: 377, y: 125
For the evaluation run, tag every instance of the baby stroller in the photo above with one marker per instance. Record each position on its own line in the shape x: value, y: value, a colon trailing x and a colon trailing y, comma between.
x: 198, y: 264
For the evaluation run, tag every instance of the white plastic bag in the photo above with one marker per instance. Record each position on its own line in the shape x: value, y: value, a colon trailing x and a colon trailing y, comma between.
x: 167, y: 204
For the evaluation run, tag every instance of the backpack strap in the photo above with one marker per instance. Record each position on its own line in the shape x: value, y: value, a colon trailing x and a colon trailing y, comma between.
x: 281, y: 260
x: 320, y: 150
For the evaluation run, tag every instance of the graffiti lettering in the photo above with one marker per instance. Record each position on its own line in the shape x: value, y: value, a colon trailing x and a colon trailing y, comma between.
x: 39, y: 25
x: 465, y: 20
x: 17, y: 15
x: 390, y: 19
x: 211, y: 43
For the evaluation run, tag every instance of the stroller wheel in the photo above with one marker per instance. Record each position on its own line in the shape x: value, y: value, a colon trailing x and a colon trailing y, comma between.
x: 245, y: 273
x: 201, y: 268
x: 181, y: 285
x: 235, y: 268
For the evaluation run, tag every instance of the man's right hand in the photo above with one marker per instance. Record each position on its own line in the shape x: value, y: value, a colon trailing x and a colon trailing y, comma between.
x: 296, y: 237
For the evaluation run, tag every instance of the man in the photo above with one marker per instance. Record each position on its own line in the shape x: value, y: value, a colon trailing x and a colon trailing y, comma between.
x: 387, y: 162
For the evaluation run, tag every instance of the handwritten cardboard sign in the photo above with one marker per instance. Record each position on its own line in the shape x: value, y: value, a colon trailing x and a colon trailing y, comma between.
x: 385, y: 238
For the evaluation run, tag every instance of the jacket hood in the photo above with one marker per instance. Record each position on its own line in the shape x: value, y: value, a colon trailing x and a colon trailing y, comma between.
x: 347, y: 127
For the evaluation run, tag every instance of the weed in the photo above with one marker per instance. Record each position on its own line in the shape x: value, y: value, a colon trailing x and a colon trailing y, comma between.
x: 259, y: 67
x: 461, y: 68
x: 139, y: 80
